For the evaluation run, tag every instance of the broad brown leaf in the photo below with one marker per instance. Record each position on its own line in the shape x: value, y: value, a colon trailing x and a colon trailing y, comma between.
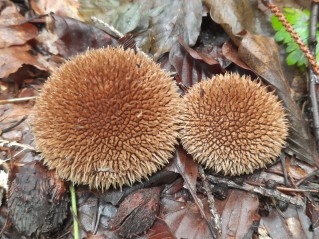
x: 185, y: 220
x: 14, y: 30
x: 157, y: 24
x: 193, y: 66
x: 12, y: 58
x: 292, y: 223
x: 238, y: 212
x: 76, y: 37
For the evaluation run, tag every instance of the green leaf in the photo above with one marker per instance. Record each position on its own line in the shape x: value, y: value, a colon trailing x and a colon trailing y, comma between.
x: 299, y: 19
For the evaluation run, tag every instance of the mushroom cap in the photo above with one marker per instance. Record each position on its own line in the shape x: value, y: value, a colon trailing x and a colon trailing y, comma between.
x: 233, y: 125
x: 107, y: 117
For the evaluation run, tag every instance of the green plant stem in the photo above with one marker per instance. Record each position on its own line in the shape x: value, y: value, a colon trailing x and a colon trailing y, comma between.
x: 74, y: 212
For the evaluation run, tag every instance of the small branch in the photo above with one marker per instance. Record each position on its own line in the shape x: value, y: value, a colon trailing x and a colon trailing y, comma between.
x: 312, y: 174
x: 12, y: 126
x: 14, y: 100
x: 285, y: 189
x: 211, y: 201
x: 260, y: 190
x: 314, y: 77
x: 109, y: 29
x: 8, y: 144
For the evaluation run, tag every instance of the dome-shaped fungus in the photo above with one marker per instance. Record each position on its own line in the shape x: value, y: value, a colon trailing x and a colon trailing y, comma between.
x: 107, y: 117
x: 233, y: 125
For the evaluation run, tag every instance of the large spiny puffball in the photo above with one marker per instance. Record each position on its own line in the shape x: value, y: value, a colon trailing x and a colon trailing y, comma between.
x: 233, y: 125
x: 107, y: 117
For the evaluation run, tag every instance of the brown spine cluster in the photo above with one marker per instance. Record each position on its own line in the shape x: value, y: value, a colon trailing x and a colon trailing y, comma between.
x: 107, y: 117
x: 233, y: 125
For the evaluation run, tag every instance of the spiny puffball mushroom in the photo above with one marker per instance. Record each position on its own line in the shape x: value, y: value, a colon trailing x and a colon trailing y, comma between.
x: 107, y: 117
x: 233, y: 125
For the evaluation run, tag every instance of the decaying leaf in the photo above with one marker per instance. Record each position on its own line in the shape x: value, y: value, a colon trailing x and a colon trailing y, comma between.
x: 12, y: 58
x: 192, y: 66
x: 237, y: 17
x: 75, y: 36
x: 184, y: 219
x: 238, y: 212
x: 64, y: 8
x: 157, y: 24
x: 293, y: 223
x: 14, y: 29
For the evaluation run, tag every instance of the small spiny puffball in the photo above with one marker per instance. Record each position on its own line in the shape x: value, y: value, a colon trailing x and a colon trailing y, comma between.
x: 233, y: 125
x: 107, y: 117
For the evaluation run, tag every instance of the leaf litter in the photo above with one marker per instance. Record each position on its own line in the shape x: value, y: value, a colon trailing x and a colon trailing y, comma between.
x: 175, y: 35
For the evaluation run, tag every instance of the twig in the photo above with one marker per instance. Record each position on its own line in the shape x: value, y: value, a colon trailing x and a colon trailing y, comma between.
x: 285, y: 189
x: 12, y: 126
x: 314, y: 173
x: 109, y: 29
x: 260, y: 190
x: 14, y: 100
x: 314, y: 77
x: 211, y: 201
x: 8, y: 144
x: 284, y: 169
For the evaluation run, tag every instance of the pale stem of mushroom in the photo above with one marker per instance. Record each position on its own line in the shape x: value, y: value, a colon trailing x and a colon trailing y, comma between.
x: 74, y: 212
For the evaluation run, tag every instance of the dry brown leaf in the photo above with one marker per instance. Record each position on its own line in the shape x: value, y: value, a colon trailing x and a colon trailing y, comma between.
x: 157, y: 24
x: 12, y: 58
x: 186, y: 167
x: 14, y: 30
x: 184, y: 219
x: 65, y: 8
x: 292, y: 223
x: 238, y: 212
x: 75, y: 36
x: 190, y: 69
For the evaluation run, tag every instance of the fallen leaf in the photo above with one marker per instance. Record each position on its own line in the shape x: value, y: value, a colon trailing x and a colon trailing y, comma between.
x: 14, y: 30
x: 292, y: 223
x: 185, y: 220
x: 190, y: 69
x: 160, y: 230
x: 180, y: 18
x: 64, y: 8
x: 237, y: 17
x: 238, y: 213
x: 12, y: 58
x: 157, y: 24
x: 231, y: 53
x: 76, y: 37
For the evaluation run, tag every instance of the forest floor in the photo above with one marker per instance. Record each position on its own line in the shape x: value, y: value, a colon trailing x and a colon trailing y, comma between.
x: 194, y: 40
